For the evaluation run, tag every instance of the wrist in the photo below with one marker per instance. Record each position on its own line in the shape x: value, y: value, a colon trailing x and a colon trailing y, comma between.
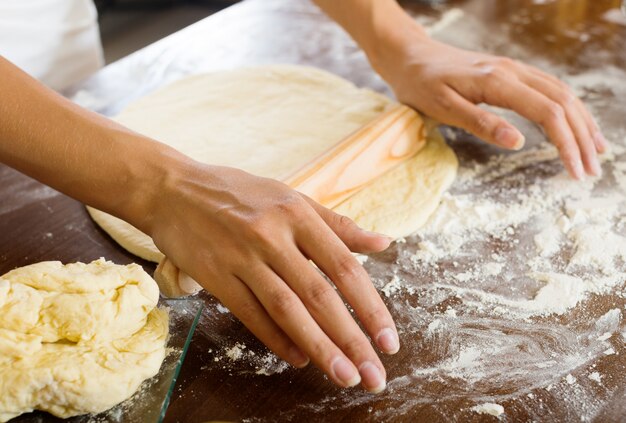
x: 152, y: 169
x: 393, y: 36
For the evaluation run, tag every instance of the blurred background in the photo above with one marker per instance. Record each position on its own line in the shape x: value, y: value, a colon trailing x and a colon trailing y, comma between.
x: 128, y: 25
x: 563, y: 28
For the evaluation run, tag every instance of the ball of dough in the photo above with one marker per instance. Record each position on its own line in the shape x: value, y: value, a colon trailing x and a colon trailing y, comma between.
x: 89, y: 336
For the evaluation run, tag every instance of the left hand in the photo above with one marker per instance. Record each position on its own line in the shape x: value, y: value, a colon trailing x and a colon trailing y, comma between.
x: 448, y: 83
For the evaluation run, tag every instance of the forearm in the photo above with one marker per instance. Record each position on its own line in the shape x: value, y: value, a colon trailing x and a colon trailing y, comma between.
x: 77, y: 152
x: 380, y: 27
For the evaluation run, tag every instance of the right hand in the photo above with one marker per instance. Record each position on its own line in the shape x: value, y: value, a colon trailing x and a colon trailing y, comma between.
x: 248, y: 241
x: 448, y: 83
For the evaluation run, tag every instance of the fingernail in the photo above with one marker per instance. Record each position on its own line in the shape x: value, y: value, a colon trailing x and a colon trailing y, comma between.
x: 298, y: 358
x: 387, y: 340
x: 596, y: 169
x: 373, y: 379
x: 600, y: 141
x: 577, y: 167
x: 345, y: 372
x: 520, y: 143
x: 379, y: 234
x: 509, y: 138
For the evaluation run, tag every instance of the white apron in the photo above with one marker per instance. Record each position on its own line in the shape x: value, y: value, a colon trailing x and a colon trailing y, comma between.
x: 56, y: 41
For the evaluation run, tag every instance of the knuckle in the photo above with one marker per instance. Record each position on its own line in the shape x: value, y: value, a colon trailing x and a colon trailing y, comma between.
x: 247, y: 311
x: 319, y: 348
x: 320, y: 295
x: 505, y: 63
x: 344, y: 221
x: 562, y: 85
x: 348, y: 269
x: 493, y: 74
x: 554, y: 113
x: 444, y: 102
x: 291, y: 204
x: 377, y: 314
x: 282, y: 303
x: 260, y: 229
x: 566, y: 98
x: 355, y: 346
x: 482, y: 123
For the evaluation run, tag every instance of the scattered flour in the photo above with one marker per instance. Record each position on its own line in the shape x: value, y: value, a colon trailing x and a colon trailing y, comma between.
x: 609, y: 351
x: 615, y: 16
x: 492, y: 268
x: 392, y: 286
x: 222, y: 309
x: 596, y: 377
x: 548, y: 241
x: 609, y: 322
x: 570, y: 379
x: 450, y: 312
x: 265, y: 364
x: 579, y: 238
x: 560, y: 293
x: 447, y: 18
x: 433, y: 327
x: 489, y: 408
x: 597, y: 246
x: 236, y: 352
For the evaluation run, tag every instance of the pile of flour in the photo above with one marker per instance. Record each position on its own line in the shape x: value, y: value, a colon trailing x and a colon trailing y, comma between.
x: 566, y: 238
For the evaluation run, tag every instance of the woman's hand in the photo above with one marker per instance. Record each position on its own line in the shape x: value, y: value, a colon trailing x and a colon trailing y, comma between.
x: 448, y: 83
x: 248, y: 240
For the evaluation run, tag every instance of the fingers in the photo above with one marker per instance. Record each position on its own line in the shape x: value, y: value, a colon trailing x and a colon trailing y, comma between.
x: 355, y: 238
x: 235, y: 295
x: 288, y: 311
x: 485, y: 125
x: 328, y: 310
x: 354, y: 283
x: 598, y: 138
x: 584, y: 129
x: 537, y: 107
x: 349, y: 276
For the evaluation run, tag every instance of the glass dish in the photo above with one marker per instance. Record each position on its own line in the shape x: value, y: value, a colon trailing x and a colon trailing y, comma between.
x: 149, y: 403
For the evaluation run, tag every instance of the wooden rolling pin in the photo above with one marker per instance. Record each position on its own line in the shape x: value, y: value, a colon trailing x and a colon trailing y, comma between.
x: 393, y: 137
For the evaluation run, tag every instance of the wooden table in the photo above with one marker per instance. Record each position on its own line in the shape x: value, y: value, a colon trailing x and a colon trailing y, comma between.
x: 38, y: 223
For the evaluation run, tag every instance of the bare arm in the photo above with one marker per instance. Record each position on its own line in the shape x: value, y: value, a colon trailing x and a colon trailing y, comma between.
x: 448, y: 83
x: 75, y: 151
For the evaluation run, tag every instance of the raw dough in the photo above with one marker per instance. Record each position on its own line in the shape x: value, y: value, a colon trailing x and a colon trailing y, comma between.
x: 77, y: 339
x: 271, y: 120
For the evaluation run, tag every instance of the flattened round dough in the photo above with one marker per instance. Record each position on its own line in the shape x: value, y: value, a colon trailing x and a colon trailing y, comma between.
x: 270, y: 121
x: 88, y: 336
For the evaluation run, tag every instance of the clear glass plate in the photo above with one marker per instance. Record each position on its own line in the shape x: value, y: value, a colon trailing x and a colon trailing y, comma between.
x: 149, y: 403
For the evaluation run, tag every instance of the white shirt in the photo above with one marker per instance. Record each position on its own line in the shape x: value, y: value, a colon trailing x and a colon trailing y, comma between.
x: 56, y: 41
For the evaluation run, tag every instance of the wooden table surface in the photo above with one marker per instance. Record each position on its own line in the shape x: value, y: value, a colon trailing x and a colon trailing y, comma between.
x: 38, y: 223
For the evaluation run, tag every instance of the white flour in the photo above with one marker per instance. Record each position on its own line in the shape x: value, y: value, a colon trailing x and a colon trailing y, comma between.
x: 596, y: 377
x: 489, y: 408
x: 232, y: 358
x: 577, y: 233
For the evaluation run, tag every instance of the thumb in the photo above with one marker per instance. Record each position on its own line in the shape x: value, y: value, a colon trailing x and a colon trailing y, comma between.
x: 356, y: 239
